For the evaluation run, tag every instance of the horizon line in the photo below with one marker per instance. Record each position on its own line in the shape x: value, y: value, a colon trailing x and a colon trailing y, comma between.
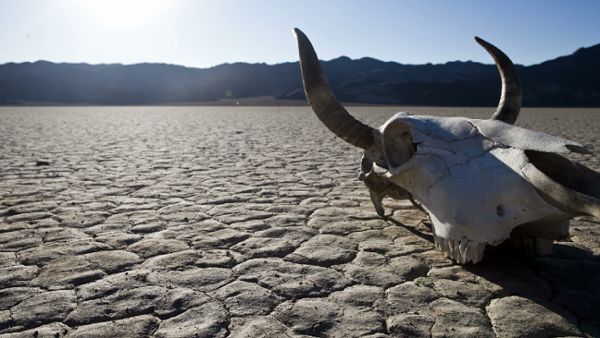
x: 278, y: 63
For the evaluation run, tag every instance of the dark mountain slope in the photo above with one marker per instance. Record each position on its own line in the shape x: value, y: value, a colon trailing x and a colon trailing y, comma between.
x: 565, y: 81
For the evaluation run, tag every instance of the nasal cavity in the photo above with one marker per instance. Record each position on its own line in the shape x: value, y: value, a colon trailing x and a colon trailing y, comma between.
x: 500, y: 210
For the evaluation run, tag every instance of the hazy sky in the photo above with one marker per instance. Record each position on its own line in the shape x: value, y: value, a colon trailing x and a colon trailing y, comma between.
x: 205, y: 33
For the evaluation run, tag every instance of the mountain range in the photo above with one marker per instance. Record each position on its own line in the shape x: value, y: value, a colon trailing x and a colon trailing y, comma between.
x: 571, y: 80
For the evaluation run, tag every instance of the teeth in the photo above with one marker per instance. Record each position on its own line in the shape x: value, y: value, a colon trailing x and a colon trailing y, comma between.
x: 454, y: 253
x: 462, y: 251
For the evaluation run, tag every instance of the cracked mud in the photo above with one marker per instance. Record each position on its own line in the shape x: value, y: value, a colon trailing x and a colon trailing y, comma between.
x: 250, y: 222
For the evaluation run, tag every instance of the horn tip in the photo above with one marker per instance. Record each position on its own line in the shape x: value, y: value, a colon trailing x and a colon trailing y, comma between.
x: 298, y: 32
x: 481, y: 41
x: 302, y: 39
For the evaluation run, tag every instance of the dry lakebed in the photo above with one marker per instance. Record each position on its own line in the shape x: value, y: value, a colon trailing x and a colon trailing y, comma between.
x: 251, y: 222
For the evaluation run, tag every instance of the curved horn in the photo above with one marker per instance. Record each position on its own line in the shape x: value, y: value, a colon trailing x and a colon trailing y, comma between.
x: 512, y: 95
x: 328, y: 109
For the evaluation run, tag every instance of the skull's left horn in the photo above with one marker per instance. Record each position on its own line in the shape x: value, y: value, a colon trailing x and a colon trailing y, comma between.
x: 326, y: 107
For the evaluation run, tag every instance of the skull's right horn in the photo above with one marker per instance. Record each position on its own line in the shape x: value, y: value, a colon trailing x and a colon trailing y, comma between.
x: 333, y: 115
x: 511, y: 95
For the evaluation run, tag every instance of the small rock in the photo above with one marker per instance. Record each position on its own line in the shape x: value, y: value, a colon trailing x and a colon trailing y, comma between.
x: 44, y: 308
x: 256, y: 247
x: 201, y: 279
x: 458, y: 320
x: 245, y: 299
x: 172, y: 261
x: 291, y: 279
x: 410, y: 325
x: 308, y: 316
x: 157, y: 246
x: 520, y: 317
x: 123, y: 303
x: 207, y: 320
x: 16, y: 275
x: 10, y: 297
x: 324, y: 250
x: 141, y: 326
x: 52, y: 330
x: 407, y: 297
x: 359, y: 295
x: 262, y: 327
x: 322, y: 318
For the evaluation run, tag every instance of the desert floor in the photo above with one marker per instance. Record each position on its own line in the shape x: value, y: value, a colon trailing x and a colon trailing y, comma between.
x: 250, y: 222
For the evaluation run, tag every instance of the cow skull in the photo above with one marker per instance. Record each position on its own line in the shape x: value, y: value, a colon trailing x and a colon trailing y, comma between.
x: 480, y: 181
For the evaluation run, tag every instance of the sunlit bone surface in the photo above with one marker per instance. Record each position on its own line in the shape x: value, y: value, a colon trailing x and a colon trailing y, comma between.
x: 478, y: 180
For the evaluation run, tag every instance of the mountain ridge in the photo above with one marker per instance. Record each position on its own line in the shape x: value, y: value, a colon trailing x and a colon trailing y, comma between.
x: 569, y: 80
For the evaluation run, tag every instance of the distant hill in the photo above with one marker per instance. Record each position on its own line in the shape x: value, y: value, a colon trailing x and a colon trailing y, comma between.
x: 571, y: 80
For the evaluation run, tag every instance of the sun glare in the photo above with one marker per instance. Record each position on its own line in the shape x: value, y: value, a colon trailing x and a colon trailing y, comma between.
x: 125, y: 12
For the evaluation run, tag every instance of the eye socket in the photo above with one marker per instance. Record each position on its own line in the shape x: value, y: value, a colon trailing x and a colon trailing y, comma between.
x: 398, y: 143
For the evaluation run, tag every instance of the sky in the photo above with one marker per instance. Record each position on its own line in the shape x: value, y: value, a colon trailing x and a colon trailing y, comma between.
x: 203, y: 33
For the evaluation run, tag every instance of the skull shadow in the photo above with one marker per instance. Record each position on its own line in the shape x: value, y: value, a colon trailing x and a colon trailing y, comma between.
x: 567, y: 282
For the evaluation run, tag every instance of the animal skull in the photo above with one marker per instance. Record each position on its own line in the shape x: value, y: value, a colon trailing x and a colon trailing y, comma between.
x: 480, y: 181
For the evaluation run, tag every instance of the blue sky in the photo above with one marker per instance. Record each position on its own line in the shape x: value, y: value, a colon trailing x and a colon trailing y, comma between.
x: 205, y: 33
